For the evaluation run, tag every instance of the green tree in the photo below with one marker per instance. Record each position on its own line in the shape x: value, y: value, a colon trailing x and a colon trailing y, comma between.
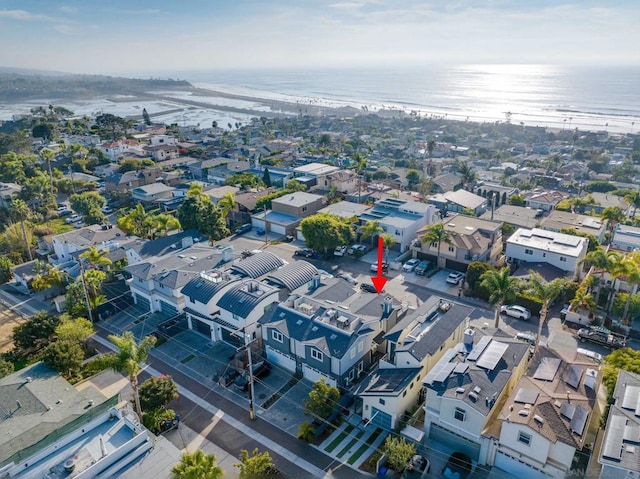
x: 466, y: 172
x: 211, y: 222
x: 36, y: 332
x: 257, y: 466
x: 545, y: 292
x: 19, y: 211
x: 633, y: 198
x: 138, y: 222
x: 5, y: 269
x: 157, y: 392
x: 165, y: 222
x: 76, y: 330
x: 398, y: 452
x: 387, y: 242
x: 473, y: 279
x: 306, y: 432
x: 370, y: 230
x: 197, y: 465
x: 188, y: 212
x: 64, y: 356
x: 145, y: 117
x: 295, y: 185
x: 629, y: 269
x: 85, y: 202
x: 227, y: 203
x: 6, y: 368
x: 323, y: 232
x: 503, y: 288
x: 96, y: 258
x: 516, y: 200
x: 614, y: 215
x: 130, y: 164
x: 128, y: 359
x: 266, y: 178
x: 436, y: 234
x: 623, y: 358
x: 413, y: 177
x: 153, y: 420
x: 111, y: 125
x: 322, y: 399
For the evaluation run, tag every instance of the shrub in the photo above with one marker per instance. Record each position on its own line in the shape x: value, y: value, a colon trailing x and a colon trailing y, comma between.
x: 306, y: 432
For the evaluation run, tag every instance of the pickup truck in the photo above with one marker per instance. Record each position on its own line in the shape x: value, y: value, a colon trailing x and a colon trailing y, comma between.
x: 603, y: 336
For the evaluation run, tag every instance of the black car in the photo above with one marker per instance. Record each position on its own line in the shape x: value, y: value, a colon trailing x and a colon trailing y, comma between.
x: 288, y: 239
x: 459, y: 466
x: 369, y: 288
x: 306, y: 252
x: 260, y: 370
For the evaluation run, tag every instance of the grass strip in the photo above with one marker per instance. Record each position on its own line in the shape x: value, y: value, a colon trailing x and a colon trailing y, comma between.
x: 365, y: 446
x: 187, y: 359
x: 351, y: 443
x: 346, y: 431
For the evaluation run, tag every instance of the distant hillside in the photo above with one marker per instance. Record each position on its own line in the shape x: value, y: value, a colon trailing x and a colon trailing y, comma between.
x: 20, y: 86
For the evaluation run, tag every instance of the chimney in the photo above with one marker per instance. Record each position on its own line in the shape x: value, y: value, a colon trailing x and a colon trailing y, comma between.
x: 315, y: 282
x: 387, y: 306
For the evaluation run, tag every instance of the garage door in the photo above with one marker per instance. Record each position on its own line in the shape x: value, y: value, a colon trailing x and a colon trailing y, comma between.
x: 280, y: 359
x: 168, y: 309
x: 231, y: 338
x: 381, y: 419
x: 456, y: 266
x: 314, y: 375
x: 517, y: 468
x: 455, y: 441
x: 142, y: 302
x: 281, y: 229
x: 201, y: 327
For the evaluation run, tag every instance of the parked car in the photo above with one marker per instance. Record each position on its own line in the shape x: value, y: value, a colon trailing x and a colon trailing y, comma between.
x: 288, y: 239
x: 245, y: 228
x: 385, y: 266
x: 348, y: 277
x: 306, y: 252
x: 73, y: 218
x: 106, y: 210
x: 260, y: 370
x: 340, y: 251
x: 410, y: 265
x: 64, y: 212
x: 527, y: 338
x: 260, y: 232
x: 357, y: 249
x: 516, y: 311
x: 419, y: 464
x: 421, y: 268
x: 455, y: 277
x: 324, y: 272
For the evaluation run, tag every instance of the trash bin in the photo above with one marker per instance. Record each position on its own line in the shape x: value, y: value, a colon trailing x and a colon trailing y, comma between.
x: 382, y: 471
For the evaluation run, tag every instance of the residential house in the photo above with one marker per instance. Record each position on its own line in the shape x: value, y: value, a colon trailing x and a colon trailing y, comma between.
x: 402, y: 219
x: 563, y: 251
x: 162, y: 152
x: 620, y: 454
x: 606, y: 200
x: 132, y: 179
x: 142, y: 250
x: 328, y: 329
x: 458, y: 201
x: 8, y: 192
x: 344, y: 181
x: 152, y: 193
x: 313, y: 174
x: 246, y: 205
x: 545, y: 200
x: 562, y: 220
x: 156, y: 283
x: 467, y: 388
x: 413, y: 346
x: 219, y: 174
x: 516, y: 216
x: 545, y: 423
x: 199, y: 169
x: 163, y: 140
x: 626, y: 238
x: 82, y: 140
x: 346, y: 209
x: 447, y: 182
x: 287, y: 212
x: 103, y: 237
x: 470, y: 239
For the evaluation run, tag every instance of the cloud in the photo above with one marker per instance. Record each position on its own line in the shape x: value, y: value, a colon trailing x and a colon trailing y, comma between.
x: 68, y: 9
x: 65, y: 29
x: 22, y: 15
x: 125, y: 11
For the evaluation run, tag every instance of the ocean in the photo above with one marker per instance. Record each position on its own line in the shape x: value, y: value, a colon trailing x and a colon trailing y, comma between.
x: 589, y: 98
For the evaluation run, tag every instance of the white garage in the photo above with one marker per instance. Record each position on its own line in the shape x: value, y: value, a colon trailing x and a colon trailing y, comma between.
x: 517, y: 468
x: 280, y: 359
x: 314, y: 375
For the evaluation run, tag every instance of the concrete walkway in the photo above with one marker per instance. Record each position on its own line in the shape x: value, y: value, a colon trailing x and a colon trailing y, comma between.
x: 352, y: 444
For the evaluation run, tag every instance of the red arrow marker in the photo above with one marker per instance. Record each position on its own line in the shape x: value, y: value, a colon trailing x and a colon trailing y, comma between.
x: 379, y: 281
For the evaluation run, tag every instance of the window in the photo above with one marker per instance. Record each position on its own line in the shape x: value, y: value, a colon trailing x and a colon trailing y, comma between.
x: 236, y: 317
x: 451, y: 249
x: 528, y: 251
x: 360, y: 366
x: 277, y: 336
x: 360, y: 346
x: 404, y: 393
x: 315, y: 354
x: 398, y: 233
x: 459, y: 414
x: 382, y: 401
x: 524, y: 438
x: 353, y: 353
x: 352, y: 374
x: 563, y: 259
x: 304, y: 208
x: 434, y: 244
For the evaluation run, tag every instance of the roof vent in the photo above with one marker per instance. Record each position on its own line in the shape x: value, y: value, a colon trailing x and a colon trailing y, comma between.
x: 538, y: 420
x: 523, y: 413
x: 473, y: 396
x: 460, y: 391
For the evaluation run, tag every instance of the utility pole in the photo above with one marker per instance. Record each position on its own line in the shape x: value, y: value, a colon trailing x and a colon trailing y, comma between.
x: 247, y: 345
x: 84, y: 289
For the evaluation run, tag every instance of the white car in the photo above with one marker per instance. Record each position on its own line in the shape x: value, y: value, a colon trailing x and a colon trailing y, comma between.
x: 357, y: 249
x: 73, y: 218
x: 410, y: 265
x: 455, y: 277
x: 516, y: 311
x: 106, y: 210
x: 347, y: 277
x: 340, y: 251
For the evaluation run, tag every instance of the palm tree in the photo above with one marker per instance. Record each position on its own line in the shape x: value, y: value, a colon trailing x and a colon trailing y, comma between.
x: 387, y: 242
x: 197, y: 465
x: 128, y: 359
x: 96, y: 258
x: 631, y: 266
x: 633, y: 198
x: 614, y: 215
x: 502, y: 286
x: 466, y: 172
x: 20, y: 212
x: 370, y: 229
x: 226, y: 204
x: 600, y: 260
x: 166, y: 223
x: 544, y: 292
x: 436, y: 234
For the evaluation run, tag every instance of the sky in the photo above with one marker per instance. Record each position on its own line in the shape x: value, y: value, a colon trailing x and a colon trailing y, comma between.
x: 142, y: 37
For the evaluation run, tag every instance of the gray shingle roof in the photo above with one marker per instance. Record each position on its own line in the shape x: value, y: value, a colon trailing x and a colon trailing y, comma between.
x: 258, y: 265
x: 294, y: 275
x: 389, y: 382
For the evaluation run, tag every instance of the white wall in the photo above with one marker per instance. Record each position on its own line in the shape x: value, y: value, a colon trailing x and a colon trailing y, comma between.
x: 570, y: 264
x: 537, y: 450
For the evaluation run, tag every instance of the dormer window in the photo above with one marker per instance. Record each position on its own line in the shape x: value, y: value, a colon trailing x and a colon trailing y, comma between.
x: 315, y: 354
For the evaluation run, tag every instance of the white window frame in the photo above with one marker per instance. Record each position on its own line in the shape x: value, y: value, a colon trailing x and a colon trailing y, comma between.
x: 459, y: 414
x: 277, y: 336
x: 524, y: 438
x: 317, y: 355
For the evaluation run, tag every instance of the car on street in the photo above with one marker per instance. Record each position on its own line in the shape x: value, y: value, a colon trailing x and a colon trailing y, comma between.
x: 357, y: 250
x: 385, y: 267
x: 340, y: 250
x: 515, y: 311
x: 304, y: 252
x: 455, y: 277
x: 410, y: 265
x: 73, y: 218
x: 422, y: 268
x: 245, y: 228
x: 107, y: 210
x: 348, y: 277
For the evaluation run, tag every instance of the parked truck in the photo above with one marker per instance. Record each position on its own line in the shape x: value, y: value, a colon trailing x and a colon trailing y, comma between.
x: 600, y: 335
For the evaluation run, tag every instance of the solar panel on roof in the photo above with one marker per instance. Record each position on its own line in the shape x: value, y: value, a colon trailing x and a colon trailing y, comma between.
x: 461, y: 368
x: 526, y: 396
x: 631, y: 433
x: 612, y: 447
x: 573, y: 376
x: 492, y: 355
x: 443, y: 374
x: 579, y: 420
x: 547, y: 369
x: 631, y: 397
x: 479, y: 348
x: 567, y: 410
